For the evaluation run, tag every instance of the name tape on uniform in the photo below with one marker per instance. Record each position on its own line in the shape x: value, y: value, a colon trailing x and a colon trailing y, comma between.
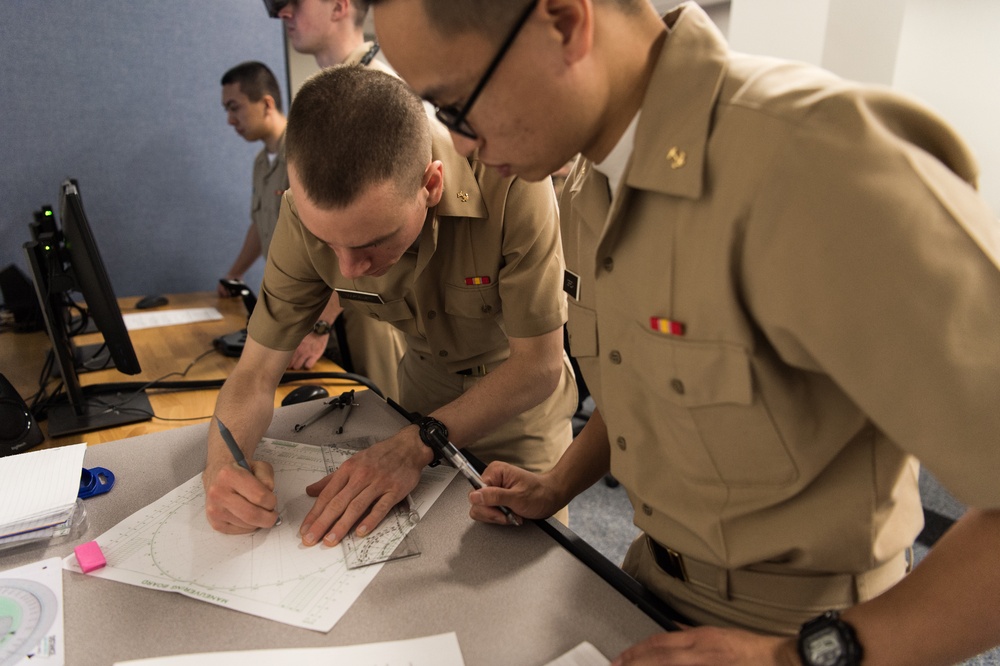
x: 363, y: 296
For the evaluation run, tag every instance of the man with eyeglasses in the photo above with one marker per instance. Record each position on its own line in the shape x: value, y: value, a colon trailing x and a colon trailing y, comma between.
x: 332, y: 32
x: 783, y: 294
x: 466, y: 262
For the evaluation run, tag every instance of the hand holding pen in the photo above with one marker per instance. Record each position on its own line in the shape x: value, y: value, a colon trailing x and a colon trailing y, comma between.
x: 237, y: 452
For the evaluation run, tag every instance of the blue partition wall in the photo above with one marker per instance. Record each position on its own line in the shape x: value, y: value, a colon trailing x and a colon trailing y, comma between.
x: 124, y: 96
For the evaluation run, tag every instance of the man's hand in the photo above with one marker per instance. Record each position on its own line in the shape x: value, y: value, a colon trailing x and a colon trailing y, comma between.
x: 367, y: 486
x: 309, y: 351
x: 526, y: 494
x: 710, y: 646
x: 237, y: 502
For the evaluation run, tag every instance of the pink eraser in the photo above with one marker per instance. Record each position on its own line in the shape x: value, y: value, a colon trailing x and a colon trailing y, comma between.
x: 89, y: 556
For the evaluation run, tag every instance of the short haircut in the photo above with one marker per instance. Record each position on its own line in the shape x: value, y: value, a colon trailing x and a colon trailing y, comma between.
x: 255, y: 81
x: 350, y: 128
x: 450, y: 17
x: 360, y: 11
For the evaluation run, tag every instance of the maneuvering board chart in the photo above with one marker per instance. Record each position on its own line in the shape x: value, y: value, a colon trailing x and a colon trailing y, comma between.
x: 170, y: 546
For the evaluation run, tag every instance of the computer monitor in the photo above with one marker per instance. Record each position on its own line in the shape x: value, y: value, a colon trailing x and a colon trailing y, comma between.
x: 65, y: 260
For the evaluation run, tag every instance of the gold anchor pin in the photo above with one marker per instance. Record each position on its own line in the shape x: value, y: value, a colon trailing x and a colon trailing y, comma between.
x: 677, y: 157
x: 463, y: 196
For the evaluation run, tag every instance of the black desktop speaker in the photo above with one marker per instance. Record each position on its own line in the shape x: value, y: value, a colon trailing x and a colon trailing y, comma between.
x: 18, y: 429
x: 19, y: 297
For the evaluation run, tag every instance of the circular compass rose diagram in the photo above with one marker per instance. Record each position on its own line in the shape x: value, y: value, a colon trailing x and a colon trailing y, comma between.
x: 250, y: 562
x: 27, y: 612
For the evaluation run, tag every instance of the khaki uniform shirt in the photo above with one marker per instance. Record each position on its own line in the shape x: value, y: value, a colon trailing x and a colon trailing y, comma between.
x: 794, y: 297
x: 488, y: 265
x: 269, y: 182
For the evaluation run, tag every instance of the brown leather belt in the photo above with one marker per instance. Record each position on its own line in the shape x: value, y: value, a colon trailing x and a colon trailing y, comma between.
x: 801, y: 590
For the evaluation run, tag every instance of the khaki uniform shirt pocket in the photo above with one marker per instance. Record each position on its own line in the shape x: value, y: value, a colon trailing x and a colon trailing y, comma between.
x: 707, y: 388
x: 467, y: 311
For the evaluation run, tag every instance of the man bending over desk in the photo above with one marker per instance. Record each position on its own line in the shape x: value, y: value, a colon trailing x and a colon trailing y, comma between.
x: 466, y: 262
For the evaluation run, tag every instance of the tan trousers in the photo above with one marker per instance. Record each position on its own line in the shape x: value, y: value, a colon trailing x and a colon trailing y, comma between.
x: 767, y: 602
x: 376, y: 349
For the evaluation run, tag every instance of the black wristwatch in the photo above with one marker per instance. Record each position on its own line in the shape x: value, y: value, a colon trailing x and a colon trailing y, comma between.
x: 430, y: 428
x: 321, y: 327
x: 829, y: 641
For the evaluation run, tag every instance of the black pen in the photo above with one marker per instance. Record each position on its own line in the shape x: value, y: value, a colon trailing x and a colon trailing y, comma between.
x: 237, y: 452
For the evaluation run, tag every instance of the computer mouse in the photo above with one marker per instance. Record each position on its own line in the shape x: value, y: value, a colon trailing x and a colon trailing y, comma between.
x: 151, y: 301
x: 305, y: 393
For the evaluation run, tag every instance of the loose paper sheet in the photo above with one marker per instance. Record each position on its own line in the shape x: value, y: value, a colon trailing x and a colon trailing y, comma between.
x: 135, y: 321
x: 440, y: 650
x: 170, y: 546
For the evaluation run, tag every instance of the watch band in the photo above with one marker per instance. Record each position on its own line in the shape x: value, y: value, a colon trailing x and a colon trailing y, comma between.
x: 827, y: 640
x: 430, y: 428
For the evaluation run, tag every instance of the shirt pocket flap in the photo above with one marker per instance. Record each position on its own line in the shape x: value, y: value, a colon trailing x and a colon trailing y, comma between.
x: 477, y: 302
x: 699, y: 374
x: 396, y: 310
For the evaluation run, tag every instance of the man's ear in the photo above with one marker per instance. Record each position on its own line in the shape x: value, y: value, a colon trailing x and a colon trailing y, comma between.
x: 433, y: 182
x: 573, y: 23
x: 340, y: 9
x: 269, y: 103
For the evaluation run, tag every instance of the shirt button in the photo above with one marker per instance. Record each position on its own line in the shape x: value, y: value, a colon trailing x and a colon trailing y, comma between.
x: 609, y: 264
x: 443, y: 352
x: 678, y: 386
x: 431, y: 314
x: 621, y: 443
x: 487, y: 309
x: 615, y: 357
x: 648, y: 510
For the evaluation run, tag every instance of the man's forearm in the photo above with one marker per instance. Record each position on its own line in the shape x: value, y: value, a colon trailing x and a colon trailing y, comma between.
x: 246, y: 402
x: 586, y: 460
x: 946, y: 609
x: 516, y: 385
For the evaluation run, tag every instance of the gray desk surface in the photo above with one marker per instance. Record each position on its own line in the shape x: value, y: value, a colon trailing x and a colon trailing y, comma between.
x: 513, y: 595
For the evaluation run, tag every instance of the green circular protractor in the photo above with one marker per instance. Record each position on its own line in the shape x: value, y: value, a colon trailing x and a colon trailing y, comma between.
x: 27, y: 612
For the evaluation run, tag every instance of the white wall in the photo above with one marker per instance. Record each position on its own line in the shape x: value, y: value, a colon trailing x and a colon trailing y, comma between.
x: 945, y: 53
x: 949, y: 56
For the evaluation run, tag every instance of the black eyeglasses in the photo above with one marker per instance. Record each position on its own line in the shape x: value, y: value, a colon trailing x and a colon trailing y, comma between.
x: 454, y: 118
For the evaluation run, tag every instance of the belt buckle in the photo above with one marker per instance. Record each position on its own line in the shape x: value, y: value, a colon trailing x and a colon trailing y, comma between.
x: 670, y: 561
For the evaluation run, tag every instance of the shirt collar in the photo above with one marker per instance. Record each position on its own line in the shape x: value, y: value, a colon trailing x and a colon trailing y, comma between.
x: 461, y: 196
x: 672, y: 133
x: 355, y: 56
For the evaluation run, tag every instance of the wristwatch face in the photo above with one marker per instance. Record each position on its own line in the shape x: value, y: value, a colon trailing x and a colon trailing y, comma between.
x: 824, y: 648
x: 321, y: 328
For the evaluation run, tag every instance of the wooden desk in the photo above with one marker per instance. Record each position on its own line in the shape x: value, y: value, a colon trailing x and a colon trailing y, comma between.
x: 160, y: 351
x: 513, y: 595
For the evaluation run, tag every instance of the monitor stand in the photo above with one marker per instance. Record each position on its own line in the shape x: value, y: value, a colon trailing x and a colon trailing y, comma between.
x: 88, y: 358
x: 128, y: 408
